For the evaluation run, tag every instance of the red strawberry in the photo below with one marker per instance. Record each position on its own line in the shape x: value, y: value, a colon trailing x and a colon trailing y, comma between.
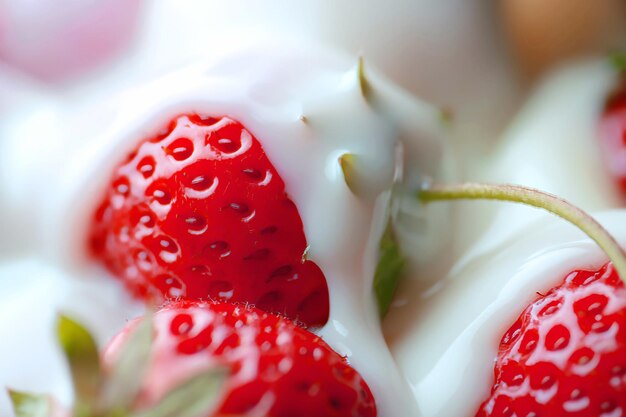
x: 566, y: 353
x: 278, y: 369
x: 198, y: 211
x: 612, y: 132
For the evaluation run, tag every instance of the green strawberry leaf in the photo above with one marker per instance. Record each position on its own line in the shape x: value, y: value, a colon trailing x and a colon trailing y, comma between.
x: 389, y: 269
x: 82, y: 355
x: 30, y: 405
x: 196, y: 397
x: 127, y: 376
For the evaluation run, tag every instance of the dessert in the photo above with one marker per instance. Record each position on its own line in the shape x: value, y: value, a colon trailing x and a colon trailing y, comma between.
x: 286, y: 178
x: 336, y: 132
x: 464, y: 336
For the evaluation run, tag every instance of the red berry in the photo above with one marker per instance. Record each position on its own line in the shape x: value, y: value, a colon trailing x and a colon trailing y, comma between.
x: 612, y: 132
x: 278, y: 368
x: 198, y: 211
x: 566, y: 353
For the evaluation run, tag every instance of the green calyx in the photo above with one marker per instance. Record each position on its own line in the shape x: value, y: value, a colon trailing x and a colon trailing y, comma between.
x: 389, y: 269
x: 30, y: 405
x: 82, y: 355
x: 113, y: 392
x: 535, y: 198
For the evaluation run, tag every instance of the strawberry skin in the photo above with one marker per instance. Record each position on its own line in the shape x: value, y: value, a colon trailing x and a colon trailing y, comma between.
x: 278, y: 368
x: 199, y: 212
x: 566, y: 353
x: 612, y: 135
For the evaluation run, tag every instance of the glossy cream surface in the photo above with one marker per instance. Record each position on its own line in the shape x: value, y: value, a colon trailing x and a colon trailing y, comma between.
x: 552, y: 144
x: 307, y: 109
x: 444, y: 331
x: 450, y: 337
x: 451, y: 53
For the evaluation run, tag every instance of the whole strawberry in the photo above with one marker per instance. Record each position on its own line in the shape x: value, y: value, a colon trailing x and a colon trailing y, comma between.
x: 566, y: 353
x: 277, y: 368
x: 197, y: 212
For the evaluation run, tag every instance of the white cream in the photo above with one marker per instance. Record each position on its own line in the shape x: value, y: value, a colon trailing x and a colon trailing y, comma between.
x: 553, y: 142
x: 54, y: 160
x: 451, y: 53
x: 33, y: 294
x: 446, y: 350
x: 268, y: 88
x: 552, y: 145
x: 28, y: 116
x: 446, y: 325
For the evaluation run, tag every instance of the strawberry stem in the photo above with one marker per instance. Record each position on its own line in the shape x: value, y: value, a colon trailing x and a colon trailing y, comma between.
x: 535, y: 198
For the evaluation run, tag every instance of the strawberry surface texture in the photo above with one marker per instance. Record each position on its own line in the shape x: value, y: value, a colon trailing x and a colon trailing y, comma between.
x: 278, y: 369
x: 199, y: 212
x: 566, y: 353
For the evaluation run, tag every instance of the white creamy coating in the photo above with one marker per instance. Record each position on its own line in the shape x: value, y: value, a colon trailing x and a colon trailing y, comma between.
x: 432, y: 349
x: 444, y: 335
x: 451, y: 53
x: 268, y: 90
x: 34, y: 293
x: 551, y: 145
x: 448, y: 354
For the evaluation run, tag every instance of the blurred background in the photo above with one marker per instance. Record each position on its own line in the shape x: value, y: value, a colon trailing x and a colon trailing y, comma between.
x: 62, y: 40
x: 473, y: 57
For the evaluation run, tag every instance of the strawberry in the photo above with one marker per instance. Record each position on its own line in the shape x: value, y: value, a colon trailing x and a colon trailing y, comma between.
x: 566, y: 353
x: 277, y: 368
x: 612, y: 135
x: 115, y: 390
x: 198, y: 211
